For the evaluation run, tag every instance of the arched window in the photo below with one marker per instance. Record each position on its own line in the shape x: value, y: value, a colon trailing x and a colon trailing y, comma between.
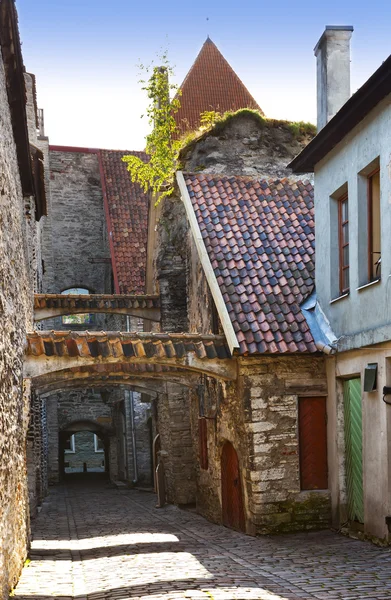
x: 79, y: 319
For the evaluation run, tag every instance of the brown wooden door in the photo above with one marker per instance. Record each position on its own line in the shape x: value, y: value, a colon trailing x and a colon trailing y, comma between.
x: 313, y: 443
x: 231, y: 489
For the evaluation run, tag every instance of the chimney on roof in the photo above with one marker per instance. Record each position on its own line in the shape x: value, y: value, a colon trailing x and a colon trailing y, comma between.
x: 333, y: 71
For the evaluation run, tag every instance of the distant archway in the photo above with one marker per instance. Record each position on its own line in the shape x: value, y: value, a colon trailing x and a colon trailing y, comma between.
x: 84, y: 448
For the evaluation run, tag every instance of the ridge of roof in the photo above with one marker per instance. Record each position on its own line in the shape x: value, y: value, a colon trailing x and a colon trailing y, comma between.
x: 211, y: 84
x: 367, y: 97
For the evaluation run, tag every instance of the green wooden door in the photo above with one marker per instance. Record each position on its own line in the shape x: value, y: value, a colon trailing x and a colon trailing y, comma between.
x: 353, y: 448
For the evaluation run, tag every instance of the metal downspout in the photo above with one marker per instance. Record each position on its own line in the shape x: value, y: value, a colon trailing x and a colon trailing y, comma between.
x: 132, y: 421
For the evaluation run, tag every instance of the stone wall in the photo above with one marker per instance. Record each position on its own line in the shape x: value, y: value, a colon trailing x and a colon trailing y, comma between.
x: 78, y: 251
x: 16, y: 313
x: 225, y: 409
x: 37, y: 453
x: 177, y: 453
x: 247, y: 145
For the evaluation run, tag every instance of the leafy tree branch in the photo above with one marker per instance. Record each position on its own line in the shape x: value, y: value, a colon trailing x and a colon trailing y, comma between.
x: 162, y: 144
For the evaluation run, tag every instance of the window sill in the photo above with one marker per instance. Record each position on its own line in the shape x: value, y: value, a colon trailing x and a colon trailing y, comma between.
x: 367, y: 285
x: 346, y: 295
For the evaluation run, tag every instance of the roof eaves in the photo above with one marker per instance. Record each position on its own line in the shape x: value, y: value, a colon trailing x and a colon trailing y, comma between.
x: 352, y: 112
x: 207, y: 266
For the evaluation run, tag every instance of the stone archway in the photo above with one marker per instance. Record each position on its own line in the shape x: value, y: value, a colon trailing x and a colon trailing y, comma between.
x: 84, y: 445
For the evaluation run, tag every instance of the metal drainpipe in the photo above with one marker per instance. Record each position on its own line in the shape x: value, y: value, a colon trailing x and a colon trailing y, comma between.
x: 131, y: 406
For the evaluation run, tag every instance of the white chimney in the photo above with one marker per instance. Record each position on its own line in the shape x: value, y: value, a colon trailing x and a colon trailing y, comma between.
x: 333, y: 71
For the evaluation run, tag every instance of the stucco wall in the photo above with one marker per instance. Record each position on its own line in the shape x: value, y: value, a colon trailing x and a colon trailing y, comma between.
x: 376, y: 424
x: 369, y: 308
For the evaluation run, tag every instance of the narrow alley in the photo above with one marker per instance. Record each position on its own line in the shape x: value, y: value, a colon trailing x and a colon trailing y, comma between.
x: 96, y: 542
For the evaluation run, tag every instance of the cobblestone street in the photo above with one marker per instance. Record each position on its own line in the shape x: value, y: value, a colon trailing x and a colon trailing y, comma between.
x: 98, y: 543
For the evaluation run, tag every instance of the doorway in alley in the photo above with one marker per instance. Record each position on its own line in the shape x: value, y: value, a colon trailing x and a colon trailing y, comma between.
x: 353, y: 449
x: 231, y: 489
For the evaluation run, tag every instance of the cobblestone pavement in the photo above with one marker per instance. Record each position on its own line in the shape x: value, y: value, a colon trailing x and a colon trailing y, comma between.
x: 98, y: 543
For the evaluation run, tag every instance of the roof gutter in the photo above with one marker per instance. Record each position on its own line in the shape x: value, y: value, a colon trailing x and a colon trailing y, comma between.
x: 207, y: 266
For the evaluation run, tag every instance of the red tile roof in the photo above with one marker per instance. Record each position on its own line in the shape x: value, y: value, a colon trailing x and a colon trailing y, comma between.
x: 211, y: 84
x: 127, y: 212
x: 259, y: 235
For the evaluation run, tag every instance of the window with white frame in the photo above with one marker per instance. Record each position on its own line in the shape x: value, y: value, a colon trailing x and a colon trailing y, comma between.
x: 98, y: 444
x: 369, y: 223
x: 70, y: 444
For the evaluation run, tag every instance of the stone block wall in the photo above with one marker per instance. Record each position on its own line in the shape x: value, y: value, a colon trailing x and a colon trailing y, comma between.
x: 16, y: 316
x: 75, y: 232
x: 272, y: 386
x: 37, y: 453
x: 225, y: 409
x: 177, y: 453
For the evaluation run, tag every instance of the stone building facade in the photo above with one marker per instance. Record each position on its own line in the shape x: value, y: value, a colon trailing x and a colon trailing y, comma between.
x: 254, y: 420
x: 22, y: 205
x: 77, y: 259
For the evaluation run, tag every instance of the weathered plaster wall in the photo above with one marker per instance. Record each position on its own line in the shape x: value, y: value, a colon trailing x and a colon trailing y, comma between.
x: 246, y: 146
x: 16, y: 317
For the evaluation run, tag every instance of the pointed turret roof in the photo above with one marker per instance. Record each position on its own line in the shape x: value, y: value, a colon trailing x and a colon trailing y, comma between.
x: 211, y: 84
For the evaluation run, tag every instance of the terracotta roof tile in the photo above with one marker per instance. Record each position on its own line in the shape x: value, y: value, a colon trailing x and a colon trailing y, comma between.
x: 211, y: 84
x: 128, y: 214
x: 273, y: 221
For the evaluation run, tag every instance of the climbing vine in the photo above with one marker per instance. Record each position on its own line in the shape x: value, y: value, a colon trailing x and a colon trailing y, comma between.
x: 162, y: 144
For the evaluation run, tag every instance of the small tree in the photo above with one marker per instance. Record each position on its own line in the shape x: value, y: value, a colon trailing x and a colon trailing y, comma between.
x: 157, y: 175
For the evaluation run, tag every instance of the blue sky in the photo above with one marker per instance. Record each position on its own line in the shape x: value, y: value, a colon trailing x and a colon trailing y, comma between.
x: 85, y: 55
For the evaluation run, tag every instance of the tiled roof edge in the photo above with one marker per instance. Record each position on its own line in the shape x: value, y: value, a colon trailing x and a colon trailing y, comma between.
x: 207, y: 266
x: 108, y: 223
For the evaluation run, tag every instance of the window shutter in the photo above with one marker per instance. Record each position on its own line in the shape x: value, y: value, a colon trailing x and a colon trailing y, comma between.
x: 313, y: 443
